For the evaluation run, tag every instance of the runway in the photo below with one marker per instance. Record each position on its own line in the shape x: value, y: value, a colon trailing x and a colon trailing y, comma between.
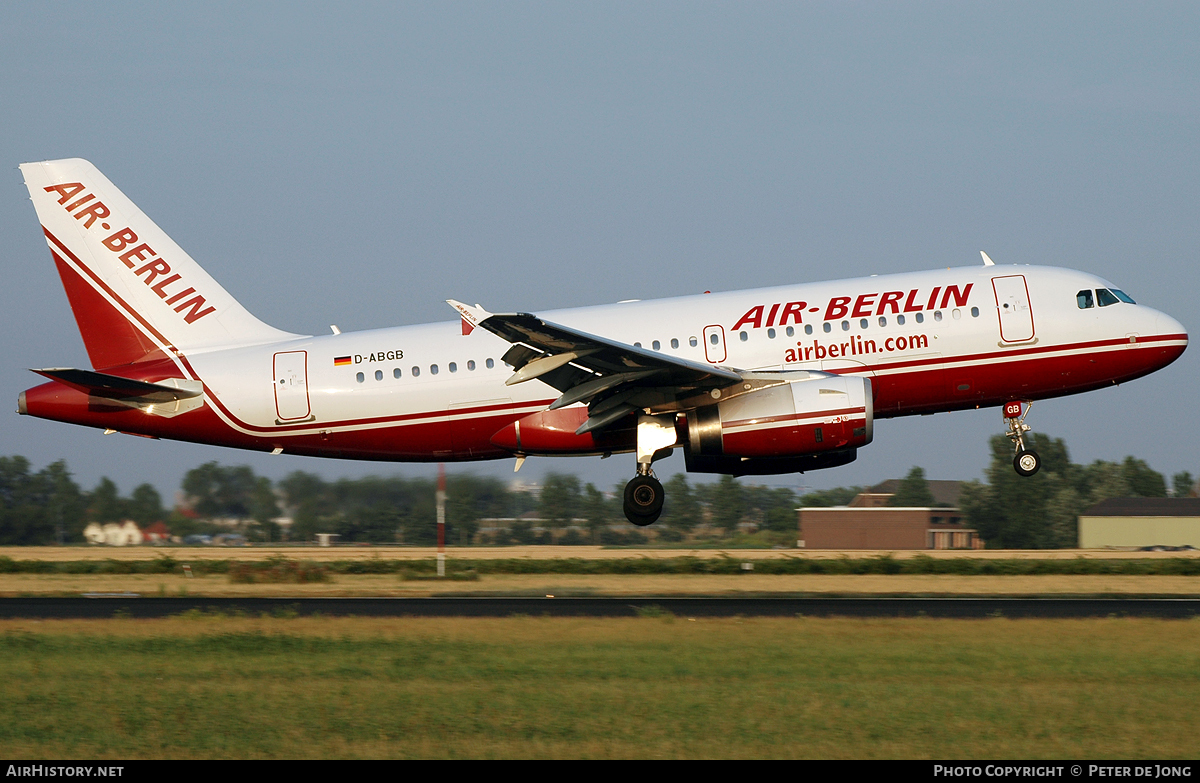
x: 133, y: 606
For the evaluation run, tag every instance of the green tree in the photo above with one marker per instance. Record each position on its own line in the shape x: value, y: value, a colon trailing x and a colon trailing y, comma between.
x: 1183, y: 485
x: 469, y: 499
x: 105, y: 504
x: 1103, y: 480
x: 560, y: 499
x: 39, y: 508
x: 597, y: 510
x: 1062, y: 518
x: 65, y: 505
x: 264, y: 508
x: 1144, y: 481
x: 1042, y: 510
x: 145, y: 505
x: 1010, y: 511
x: 310, y: 502
x: 681, y: 510
x: 913, y: 491
x: 220, y: 491
x: 779, y: 510
x: 727, y: 503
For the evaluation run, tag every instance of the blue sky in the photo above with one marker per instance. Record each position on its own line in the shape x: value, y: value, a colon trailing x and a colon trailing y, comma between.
x: 360, y: 163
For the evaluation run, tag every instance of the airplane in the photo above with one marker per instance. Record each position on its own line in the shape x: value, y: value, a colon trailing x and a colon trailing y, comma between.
x: 755, y: 382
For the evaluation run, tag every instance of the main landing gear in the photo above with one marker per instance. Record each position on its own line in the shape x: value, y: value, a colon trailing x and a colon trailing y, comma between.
x: 644, y: 493
x: 1026, y: 461
x: 643, y: 499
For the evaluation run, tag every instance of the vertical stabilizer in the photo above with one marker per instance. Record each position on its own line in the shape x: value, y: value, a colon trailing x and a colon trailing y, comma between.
x: 135, y: 293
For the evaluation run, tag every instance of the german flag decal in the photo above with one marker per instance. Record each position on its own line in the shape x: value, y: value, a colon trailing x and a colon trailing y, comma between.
x: 338, y: 361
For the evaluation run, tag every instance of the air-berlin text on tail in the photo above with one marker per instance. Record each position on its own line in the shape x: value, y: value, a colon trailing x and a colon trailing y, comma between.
x: 861, y: 306
x: 171, y: 288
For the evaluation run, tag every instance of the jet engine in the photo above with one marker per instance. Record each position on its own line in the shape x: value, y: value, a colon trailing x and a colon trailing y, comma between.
x: 792, y: 427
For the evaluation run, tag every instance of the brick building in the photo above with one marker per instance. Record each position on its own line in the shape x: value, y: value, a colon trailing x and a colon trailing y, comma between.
x: 867, y: 522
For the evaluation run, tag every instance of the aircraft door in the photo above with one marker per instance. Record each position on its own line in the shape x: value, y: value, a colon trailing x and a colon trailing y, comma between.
x: 714, y: 344
x: 1013, y: 308
x: 291, y: 385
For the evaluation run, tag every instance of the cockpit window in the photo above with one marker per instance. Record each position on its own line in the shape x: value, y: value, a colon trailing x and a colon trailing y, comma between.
x: 1084, y: 299
x: 1105, y: 297
x: 1124, y: 297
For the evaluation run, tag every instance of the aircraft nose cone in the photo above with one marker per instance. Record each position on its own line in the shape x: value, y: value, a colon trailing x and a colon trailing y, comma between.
x: 1166, y: 325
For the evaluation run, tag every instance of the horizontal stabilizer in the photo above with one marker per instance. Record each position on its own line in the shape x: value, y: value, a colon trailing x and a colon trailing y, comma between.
x: 114, y: 387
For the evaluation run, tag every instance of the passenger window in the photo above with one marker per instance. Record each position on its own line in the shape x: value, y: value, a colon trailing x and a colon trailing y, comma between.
x: 771, y: 334
x: 1083, y: 299
x: 453, y: 367
x: 828, y: 327
x: 808, y: 328
x: 1105, y: 297
x: 937, y: 315
x: 712, y: 338
x: 790, y: 332
x: 396, y: 373
x: 637, y: 345
x: 379, y: 375
x: 471, y: 365
x: 845, y: 326
x: 674, y: 342
x: 957, y: 314
x: 743, y: 336
x: 900, y: 320
x: 920, y: 318
x: 974, y: 312
x: 360, y: 377
x: 863, y: 324
x: 882, y: 321
x: 692, y: 341
x: 416, y: 371
x: 433, y: 369
x: 490, y: 364
x: 656, y: 345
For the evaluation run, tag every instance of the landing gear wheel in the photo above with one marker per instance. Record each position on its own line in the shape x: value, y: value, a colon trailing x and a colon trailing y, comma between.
x: 1026, y: 463
x: 643, y: 500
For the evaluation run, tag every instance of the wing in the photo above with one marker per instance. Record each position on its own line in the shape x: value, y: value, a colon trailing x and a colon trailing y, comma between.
x: 612, y: 378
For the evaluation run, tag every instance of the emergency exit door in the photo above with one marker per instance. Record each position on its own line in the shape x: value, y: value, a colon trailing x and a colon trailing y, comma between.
x: 1013, y: 308
x: 291, y: 385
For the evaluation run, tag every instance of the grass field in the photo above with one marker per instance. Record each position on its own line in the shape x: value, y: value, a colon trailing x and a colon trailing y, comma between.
x: 650, y: 687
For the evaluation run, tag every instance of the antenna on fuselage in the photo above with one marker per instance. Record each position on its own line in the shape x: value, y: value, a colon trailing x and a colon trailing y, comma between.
x: 986, y: 261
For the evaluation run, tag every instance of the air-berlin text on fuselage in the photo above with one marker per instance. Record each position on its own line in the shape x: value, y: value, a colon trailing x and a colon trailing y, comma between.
x: 171, y: 288
x: 861, y: 306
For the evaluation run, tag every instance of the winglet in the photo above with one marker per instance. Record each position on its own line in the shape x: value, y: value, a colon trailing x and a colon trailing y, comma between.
x: 471, y: 316
x: 986, y: 261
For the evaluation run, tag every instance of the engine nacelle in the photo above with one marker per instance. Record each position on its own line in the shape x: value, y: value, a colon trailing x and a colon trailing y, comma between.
x: 803, y: 425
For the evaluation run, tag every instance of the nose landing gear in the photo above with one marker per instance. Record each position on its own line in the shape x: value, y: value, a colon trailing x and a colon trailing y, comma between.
x: 1026, y: 461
